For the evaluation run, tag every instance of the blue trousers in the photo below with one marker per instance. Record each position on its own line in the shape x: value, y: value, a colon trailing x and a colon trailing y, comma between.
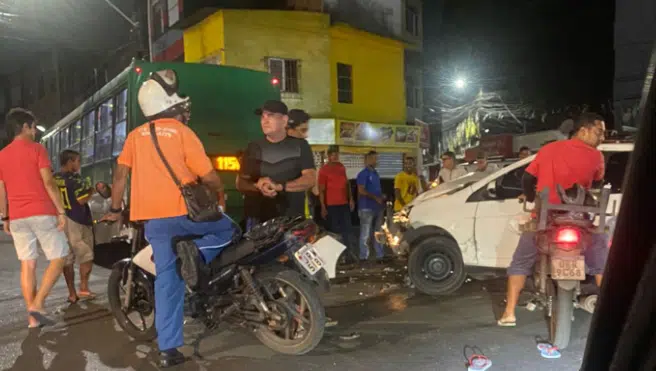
x: 169, y: 287
x: 370, y: 222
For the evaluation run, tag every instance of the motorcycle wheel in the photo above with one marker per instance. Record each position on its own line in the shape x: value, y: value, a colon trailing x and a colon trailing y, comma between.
x: 560, y: 323
x: 143, y: 304
x: 300, y: 302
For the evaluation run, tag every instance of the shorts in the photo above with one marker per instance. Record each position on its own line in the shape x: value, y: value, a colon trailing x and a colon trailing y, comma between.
x: 43, y: 228
x: 80, y: 239
x: 526, y: 255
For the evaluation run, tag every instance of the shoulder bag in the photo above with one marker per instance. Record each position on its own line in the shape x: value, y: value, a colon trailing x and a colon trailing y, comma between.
x: 202, y: 203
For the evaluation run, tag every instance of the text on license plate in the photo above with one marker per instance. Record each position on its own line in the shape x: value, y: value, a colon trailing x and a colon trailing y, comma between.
x: 570, y: 268
x: 309, y: 259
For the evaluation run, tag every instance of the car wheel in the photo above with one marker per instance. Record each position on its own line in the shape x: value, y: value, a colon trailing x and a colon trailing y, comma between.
x: 436, y: 267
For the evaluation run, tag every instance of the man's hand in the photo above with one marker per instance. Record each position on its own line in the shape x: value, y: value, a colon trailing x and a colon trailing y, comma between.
x: 324, y: 212
x: 110, y: 217
x: 352, y: 204
x: 5, y: 226
x: 263, y: 183
x: 61, y: 222
x: 522, y: 198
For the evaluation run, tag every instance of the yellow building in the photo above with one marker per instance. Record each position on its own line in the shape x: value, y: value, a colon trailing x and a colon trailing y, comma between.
x: 328, y: 70
x: 346, y: 79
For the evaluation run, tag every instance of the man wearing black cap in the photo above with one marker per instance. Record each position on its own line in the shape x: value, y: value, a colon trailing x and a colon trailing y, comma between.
x: 277, y: 169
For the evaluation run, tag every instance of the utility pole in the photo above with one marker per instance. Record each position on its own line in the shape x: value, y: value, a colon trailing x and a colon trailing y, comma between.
x: 149, y: 16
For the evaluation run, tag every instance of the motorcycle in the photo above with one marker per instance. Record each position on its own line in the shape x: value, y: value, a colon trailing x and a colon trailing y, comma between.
x: 563, y: 232
x: 266, y: 281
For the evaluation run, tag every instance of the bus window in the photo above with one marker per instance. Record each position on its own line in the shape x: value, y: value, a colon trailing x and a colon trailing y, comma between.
x: 88, y: 129
x: 76, y: 135
x: 65, y: 138
x: 120, y: 130
x: 104, y: 135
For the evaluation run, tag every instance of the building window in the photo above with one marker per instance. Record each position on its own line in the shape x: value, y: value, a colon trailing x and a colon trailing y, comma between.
x: 411, y: 20
x: 286, y: 71
x: 412, y: 95
x: 344, y: 83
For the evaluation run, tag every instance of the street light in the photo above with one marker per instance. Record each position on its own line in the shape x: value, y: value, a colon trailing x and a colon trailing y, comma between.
x: 40, y: 128
x: 460, y: 83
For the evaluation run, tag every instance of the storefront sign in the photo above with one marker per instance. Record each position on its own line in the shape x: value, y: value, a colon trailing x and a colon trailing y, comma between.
x: 368, y: 134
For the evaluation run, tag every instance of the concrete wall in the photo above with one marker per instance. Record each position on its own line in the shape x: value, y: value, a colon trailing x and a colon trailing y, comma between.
x: 378, y: 76
x: 248, y: 38
x: 253, y: 36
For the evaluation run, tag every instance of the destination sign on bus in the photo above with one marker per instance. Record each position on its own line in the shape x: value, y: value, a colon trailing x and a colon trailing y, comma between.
x: 226, y: 163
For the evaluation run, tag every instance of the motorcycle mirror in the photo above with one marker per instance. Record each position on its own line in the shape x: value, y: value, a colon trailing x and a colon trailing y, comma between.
x: 104, y: 190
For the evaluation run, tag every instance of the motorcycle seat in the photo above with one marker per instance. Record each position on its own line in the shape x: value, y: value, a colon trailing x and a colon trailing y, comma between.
x: 234, y: 252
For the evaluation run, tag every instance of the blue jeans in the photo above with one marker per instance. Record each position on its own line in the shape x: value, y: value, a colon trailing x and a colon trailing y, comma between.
x: 169, y: 287
x: 339, y: 220
x: 370, y: 222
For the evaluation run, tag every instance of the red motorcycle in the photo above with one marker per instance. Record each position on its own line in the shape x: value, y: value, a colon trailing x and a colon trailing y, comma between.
x: 563, y: 232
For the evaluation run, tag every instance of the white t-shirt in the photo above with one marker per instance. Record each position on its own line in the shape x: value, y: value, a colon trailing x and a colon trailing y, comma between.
x: 447, y: 175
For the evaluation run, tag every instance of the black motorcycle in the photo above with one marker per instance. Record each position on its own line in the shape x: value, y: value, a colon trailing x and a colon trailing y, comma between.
x: 267, y: 281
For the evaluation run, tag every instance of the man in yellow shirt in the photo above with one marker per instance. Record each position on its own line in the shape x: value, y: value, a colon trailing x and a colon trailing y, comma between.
x: 406, y: 184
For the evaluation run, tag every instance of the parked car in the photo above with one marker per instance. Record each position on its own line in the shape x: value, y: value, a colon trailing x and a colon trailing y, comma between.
x: 471, y: 226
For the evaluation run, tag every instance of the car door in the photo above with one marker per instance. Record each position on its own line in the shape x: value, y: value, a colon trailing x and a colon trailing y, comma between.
x: 497, y: 218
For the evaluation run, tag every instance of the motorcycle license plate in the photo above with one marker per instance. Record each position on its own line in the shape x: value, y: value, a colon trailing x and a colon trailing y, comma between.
x: 309, y: 259
x: 568, y: 268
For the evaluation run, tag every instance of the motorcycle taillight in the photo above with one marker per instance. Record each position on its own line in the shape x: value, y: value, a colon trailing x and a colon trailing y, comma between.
x: 569, y: 236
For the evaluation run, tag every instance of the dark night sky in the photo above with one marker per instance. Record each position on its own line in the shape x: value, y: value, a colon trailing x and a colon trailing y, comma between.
x: 550, y: 52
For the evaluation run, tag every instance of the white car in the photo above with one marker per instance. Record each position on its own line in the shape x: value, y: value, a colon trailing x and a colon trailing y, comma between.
x: 470, y: 225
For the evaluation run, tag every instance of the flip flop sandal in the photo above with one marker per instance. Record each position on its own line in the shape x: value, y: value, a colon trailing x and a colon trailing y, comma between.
x: 477, y: 361
x: 38, y: 325
x: 42, y: 318
x: 503, y: 323
x: 73, y: 301
x: 86, y: 296
x: 550, y: 352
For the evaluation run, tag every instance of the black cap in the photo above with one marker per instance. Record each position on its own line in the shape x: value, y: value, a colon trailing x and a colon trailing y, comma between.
x: 333, y: 149
x: 297, y: 117
x: 273, y: 106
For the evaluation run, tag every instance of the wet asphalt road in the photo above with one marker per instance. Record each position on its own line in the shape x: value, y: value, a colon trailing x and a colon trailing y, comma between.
x: 396, y: 329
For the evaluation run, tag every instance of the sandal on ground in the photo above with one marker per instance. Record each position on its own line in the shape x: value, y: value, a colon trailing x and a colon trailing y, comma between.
x: 477, y: 361
x: 86, y: 295
x: 506, y: 323
x: 41, y: 317
x: 548, y: 351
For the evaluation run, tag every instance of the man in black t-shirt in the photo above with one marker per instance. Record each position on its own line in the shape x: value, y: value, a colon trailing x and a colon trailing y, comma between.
x: 276, y: 170
x: 76, y: 193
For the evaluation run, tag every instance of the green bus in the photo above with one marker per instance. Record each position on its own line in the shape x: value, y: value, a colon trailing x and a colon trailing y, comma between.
x: 223, y: 100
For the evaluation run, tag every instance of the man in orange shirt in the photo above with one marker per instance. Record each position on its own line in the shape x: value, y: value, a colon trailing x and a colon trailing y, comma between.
x: 156, y: 199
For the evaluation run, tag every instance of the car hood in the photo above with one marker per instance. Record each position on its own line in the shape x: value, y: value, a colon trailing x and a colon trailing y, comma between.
x: 448, y: 187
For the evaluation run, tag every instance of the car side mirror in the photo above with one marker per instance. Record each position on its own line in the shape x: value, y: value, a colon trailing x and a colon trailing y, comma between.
x: 104, y: 190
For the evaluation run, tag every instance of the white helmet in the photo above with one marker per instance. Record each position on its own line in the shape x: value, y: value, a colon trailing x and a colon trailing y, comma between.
x: 158, y: 96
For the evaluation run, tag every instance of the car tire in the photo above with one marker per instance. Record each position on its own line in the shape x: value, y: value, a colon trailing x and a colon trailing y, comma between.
x: 436, y: 267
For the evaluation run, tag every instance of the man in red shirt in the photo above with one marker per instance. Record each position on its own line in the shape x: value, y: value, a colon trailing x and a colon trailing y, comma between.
x: 564, y: 163
x: 36, y: 211
x: 335, y: 197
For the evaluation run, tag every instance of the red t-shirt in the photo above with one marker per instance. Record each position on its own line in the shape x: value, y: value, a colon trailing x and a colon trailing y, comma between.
x: 333, y: 177
x: 566, y: 162
x: 20, y: 165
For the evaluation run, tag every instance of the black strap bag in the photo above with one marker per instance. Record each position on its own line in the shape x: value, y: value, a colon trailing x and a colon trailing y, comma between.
x: 202, y: 203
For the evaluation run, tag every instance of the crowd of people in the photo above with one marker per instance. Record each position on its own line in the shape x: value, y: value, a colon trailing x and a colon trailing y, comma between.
x: 278, y: 177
